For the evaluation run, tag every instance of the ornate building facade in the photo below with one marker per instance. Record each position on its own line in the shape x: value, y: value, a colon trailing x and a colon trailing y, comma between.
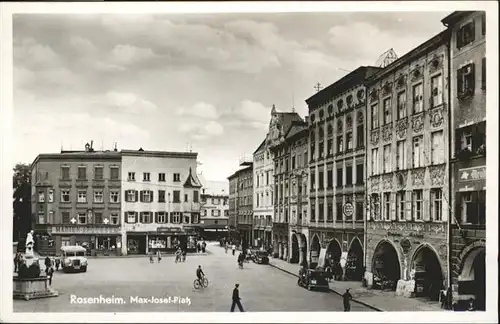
x: 468, y: 151
x: 408, y: 172
x: 214, y: 209
x: 337, y: 174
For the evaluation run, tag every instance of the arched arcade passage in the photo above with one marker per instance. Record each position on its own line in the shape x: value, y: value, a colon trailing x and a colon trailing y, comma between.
x: 315, y: 250
x: 472, y: 279
x: 333, y: 254
x: 295, y: 253
x: 354, y: 266
x: 386, y: 266
x: 428, y: 274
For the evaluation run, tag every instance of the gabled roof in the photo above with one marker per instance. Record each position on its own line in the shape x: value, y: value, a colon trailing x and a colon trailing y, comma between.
x: 287, y: 118
x: 296, y: 128
x: 192, y: 181
x: 261, y: 146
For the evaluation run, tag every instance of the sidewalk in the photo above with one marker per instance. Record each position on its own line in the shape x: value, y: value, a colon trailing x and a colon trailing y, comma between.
x: 372, y: 298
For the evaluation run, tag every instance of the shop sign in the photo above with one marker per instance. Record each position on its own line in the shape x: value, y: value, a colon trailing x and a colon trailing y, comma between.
x: 85, y: 230
x: 389, y: 233
x: 417, y: 235
x: 169, y: 229
x: 470, y: 174
x: 348, y: 209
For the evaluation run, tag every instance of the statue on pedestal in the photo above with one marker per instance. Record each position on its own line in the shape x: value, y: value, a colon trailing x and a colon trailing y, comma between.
x: 29, y: 245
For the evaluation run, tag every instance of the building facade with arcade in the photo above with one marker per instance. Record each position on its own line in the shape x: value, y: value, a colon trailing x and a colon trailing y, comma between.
x: 337, y: 175
x: 76, y: 199
x: 161, y: 201
x: 408, y: 173
x: 468, y: 147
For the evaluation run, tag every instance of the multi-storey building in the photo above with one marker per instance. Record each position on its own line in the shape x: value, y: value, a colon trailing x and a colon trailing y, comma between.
x: 241, y: 204
x: 214, y: 209
x: 337, y: 174
x: 161, y: 201
x: 76, y: 200
x: 292, y: 150
x: 263, y: 183
x: 408, y: 191
x: 280, y: 124
x: 467, y: 93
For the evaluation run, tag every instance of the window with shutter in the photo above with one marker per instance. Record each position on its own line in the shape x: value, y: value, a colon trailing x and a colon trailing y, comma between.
x: 65, y: 217
x: 483, y: 73
x: 98, y: 218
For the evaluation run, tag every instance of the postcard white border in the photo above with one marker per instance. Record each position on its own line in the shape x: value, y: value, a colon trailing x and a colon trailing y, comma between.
x: 6, y: 11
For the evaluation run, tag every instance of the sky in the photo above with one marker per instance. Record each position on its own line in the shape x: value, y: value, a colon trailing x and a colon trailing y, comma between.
x: 169, y: 82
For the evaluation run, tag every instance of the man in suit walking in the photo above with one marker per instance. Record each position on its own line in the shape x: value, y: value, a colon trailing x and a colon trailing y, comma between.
x: 236, y: 299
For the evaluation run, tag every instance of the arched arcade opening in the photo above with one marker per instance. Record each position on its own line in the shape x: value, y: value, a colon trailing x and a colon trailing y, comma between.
x: 428, y: 274
x: 386, y: 267
x: 333, y: 255
x: 315, y: 250
x: 295, y: 253
x: 472, y: 280
x: 354, y: 266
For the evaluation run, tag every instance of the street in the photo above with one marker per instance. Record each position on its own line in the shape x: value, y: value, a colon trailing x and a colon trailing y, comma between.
x: 262, y: 288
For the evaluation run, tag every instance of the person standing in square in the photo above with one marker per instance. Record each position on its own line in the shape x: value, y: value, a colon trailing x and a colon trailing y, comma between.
x: 236, y: 299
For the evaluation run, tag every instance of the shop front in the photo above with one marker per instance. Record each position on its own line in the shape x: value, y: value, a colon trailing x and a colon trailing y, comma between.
x: 98, y: 240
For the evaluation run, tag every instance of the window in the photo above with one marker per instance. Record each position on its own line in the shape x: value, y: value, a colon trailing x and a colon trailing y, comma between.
x: 65, y: 197
x: 329, y: 179
x: 131, y: 196
x: 146, y: 217
x: 465, y: 35
x: 82, y: 196
x: 146, y: 176
x: 51, y: 195
x: 466, y: 141
x: 360, y: 136
x: 177, y: 177
x: 82, y: 218
x: 387, y: 158
x: 418, y: 151
x: 176, y: 217
x: 50, y: 219
x: 349, y: 141
x: 359, y: 211
x: 321, y: 153
x: 437, y: 90
x: 375, y: 161
x: 401, y: 155
x: 466, y: 81
x: 329, y: 147
x: 257, y: 179
x: 115, y: 219
x: 375, y: 203
x: 321, y: 180
x: 98, y: 196
x: 387, y: 206
x: 195, y: 218
x: 387, y: 111
x: 146, y: 196
x: 41, y: 217
x: 313, y: 181
x: 161, y: 196
x: 340, y: 144
x: 82, y: 173
x: 312, y: 151
x: 65, y: 172
x: 114, y: 173
x: 339, y: 216
x: 400, y: 205
x: 65, y: 217
x: 374, y: 116
x: 417, y: 205
x: 293, y: 162
x: 329, y: 212
x: 131, y: 217
x: 215, y: 201
x: 340, y: 176
x: 483, y: 73
x: 474, y: 207
x: 437, y: 204
x: 437, y: 149
x: 131, y: 176
x: 348, y: 180
x: 186, y: 198
x: 98, y: 173
x: 267, y: 178
x: 41, y: 196
x: 360, y: 178
x: 483, y: 25
x: 177, y: 197
x: 98, y: 218
x: 161, y: 177
x: 161, y: 217
x: 418, y: 98
x: 402, y: 104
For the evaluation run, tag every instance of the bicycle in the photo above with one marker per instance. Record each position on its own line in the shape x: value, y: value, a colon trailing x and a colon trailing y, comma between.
x: 203, y: 283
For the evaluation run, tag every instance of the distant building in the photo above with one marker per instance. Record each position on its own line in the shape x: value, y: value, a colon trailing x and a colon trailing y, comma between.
x: 161, y: 201
x: 241, y: 204
x: 214, y: 209
x: 76, y: 199
x: 468, y: 152
x: 408, y: 172
x: 337, y: 131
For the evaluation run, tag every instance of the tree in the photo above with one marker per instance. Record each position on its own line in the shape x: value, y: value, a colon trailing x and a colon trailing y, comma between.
x: 22, y: 200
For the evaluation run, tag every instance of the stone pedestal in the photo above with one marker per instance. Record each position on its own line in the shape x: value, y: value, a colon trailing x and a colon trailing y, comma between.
x: 406, y: 288
x: 32, y: 288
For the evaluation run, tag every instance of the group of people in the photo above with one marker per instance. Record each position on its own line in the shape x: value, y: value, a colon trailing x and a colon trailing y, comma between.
x: 201, y: 247
x: 158, y: 256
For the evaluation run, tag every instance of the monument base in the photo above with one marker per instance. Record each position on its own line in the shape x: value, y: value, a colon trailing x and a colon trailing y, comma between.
x: 32, y: 288
x: 406, y: 288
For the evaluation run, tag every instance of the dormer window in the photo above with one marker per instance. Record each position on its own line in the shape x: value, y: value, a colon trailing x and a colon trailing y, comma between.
x: 465, y: 35
x: 321, y: 114
x: 349, y: 100
x: 330, y: 109
x: 340, y: 104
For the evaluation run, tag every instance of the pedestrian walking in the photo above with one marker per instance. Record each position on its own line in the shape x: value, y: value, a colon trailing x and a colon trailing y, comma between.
x: 198, y: 247
x: 50, y: 274
x: 48, y: 265
x: 58, y: 262
x: 17, y: 259
x: 203, y: 247
x: 158, y: 255
x: 236, y: 299
x: 347, y: 300
x: 151, y: 260
x: 233, y: 248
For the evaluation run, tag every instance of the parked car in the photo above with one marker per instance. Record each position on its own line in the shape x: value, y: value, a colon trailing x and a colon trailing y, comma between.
x: 261, y: 257
x: 314, y: 279
x: 73, y: 258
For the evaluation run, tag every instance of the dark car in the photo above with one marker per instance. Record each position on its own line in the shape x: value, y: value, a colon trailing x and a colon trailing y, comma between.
x: 314, y: 279
x: 261, y: 257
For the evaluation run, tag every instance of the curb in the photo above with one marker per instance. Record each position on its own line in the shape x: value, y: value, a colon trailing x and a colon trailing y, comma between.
x: 130, y: 256
x: 330, y: 289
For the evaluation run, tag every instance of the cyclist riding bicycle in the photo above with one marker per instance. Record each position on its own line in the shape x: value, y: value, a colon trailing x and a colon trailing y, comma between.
x: 199, y: 274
